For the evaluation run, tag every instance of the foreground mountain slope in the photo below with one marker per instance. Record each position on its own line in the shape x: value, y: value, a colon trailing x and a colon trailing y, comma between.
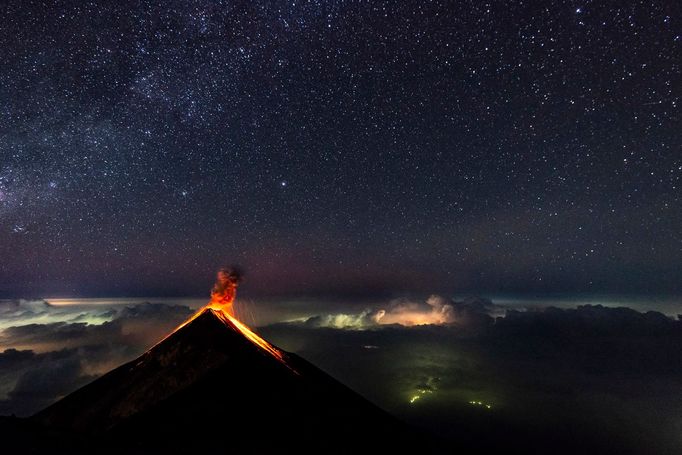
x: 215, y: 385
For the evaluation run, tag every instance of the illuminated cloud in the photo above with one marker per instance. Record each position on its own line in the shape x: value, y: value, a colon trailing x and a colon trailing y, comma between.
x: 69, y: 346
x: 436, y: 310
x: 360, y: 320
x: 22, y: 312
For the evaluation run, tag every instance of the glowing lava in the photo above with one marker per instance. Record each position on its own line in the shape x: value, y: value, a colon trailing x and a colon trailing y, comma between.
x: 230, y: 321
x: 248, y: 333
x: 221, y: 306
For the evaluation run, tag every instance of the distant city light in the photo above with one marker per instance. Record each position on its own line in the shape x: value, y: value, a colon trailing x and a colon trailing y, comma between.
x: 481, y: 404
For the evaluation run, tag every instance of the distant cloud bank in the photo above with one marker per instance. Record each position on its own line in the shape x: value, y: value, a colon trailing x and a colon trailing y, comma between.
x: 435, y: 357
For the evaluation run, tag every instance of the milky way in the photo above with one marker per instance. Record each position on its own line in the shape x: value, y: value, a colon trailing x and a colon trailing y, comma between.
x: 340, y: 146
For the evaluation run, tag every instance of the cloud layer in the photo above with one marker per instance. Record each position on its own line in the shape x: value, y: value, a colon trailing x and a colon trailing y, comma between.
x: 585, y: 378
x: 40, y: 362
x: 469, y: 370
x: 435, y: 310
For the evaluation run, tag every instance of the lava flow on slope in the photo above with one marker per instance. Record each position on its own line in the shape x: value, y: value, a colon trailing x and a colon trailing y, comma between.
x: 214, y: 372
x: 233, y: 323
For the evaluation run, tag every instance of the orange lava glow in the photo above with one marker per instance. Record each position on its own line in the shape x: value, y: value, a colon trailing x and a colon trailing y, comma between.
x: 221, y: 312
x: 221, y: 305
x: 248, y: 333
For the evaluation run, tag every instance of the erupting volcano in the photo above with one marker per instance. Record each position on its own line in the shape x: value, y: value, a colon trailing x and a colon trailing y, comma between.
x: 222, y: 303
x: 213, y: 384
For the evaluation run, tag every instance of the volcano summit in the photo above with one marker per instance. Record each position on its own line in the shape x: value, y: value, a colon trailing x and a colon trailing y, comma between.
x: 214, y: 385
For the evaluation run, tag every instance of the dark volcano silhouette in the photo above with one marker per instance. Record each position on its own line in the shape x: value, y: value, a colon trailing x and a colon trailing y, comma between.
x: 213, y: 385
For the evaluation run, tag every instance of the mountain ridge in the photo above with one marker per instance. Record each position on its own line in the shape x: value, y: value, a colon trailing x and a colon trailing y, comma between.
x: 213, y: 372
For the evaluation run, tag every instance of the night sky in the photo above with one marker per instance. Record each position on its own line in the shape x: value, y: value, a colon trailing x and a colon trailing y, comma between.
x: 340, y: 147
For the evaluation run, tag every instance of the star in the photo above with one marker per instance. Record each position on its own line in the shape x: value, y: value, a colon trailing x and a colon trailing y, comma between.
x: 413, y: 139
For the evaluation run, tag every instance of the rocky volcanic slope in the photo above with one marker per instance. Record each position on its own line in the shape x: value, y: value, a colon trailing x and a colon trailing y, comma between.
x: 211, y: 387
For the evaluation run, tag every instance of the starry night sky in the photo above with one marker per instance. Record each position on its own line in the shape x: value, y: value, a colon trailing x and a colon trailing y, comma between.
x: 340, y: 147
